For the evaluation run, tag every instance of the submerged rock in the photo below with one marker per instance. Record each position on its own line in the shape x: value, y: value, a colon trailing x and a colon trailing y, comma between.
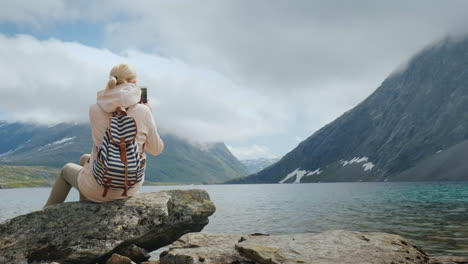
x: 329, y: 247
x: 85, y: 232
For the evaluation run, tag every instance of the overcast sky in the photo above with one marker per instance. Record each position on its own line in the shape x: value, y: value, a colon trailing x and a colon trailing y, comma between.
x: 260, y: 76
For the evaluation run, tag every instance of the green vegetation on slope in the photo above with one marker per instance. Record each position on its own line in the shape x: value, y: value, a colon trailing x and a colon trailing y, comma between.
x: 37, y: 176
x: 27, y: 176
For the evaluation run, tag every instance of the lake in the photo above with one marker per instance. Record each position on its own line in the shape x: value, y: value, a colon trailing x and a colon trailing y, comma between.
x: 433, y: 215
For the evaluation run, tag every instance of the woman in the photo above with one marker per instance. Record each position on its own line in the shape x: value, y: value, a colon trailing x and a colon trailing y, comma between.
x: 121, y: 91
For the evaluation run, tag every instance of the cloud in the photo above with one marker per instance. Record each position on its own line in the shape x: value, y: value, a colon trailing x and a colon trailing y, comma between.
x: 240, y: 69
x: 316, y: 59
x: 53, y: 81
x: 251, y: 152
x: 279, y: 46
x: 272, y: 46
x: 36, y: 13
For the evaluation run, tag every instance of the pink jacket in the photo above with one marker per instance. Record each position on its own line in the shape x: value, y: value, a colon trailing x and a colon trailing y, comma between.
x: 126, y: 95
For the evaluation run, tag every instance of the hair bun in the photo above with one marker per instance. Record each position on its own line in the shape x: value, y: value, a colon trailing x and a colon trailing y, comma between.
x: 125, y: 74
x: 112, y: 82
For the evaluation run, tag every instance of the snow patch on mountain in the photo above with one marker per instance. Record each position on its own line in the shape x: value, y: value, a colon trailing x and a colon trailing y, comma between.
x: 299, y: 174
x: 366, y: 166
x: 57, y: 144
x: 15, y: 149
x: 317, y: 172
x: 6, y: 153
x: 354, y: 160
x: 61, y: 141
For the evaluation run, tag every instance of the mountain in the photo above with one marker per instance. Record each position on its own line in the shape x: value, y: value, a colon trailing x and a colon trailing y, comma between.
x: 53, y: 146
x: 395, y: 133
x: 256, y: 165
x: 444, y: 165
x: 39, y: 145
x: 185, y: 162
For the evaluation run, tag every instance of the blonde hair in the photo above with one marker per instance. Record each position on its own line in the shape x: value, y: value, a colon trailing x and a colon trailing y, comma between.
x: 121, y: 73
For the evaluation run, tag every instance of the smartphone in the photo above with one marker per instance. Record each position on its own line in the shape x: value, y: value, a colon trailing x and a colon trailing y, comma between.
x: 144, y: 95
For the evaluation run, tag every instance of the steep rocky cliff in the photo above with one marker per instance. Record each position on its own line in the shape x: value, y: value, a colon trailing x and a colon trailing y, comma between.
x: 415, y: 113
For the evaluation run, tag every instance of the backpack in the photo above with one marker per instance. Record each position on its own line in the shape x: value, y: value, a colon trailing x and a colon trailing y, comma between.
x: 119, y: 164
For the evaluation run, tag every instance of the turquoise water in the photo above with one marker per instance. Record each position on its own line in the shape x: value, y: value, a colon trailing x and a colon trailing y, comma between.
x: 433, y: 215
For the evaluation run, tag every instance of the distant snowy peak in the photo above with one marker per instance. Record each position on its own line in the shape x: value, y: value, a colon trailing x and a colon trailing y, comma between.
x: 366, y: 166
x: 255, y: 165
x: 259, y: 161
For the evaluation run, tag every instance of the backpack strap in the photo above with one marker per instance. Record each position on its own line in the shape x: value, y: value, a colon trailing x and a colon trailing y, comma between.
x: 106, y: 187
x: 120, y: 111
x: 123, y: 157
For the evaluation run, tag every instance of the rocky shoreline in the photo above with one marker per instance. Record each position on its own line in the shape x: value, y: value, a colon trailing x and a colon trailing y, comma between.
x: 126, y: 231
x: 329, y: 247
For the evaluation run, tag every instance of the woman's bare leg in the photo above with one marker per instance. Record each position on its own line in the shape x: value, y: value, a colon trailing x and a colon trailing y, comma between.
x: 66, y: 179
x: 84, y: 158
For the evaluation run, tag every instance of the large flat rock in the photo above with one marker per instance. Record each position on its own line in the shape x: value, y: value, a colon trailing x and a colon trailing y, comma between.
x: 449, y: 260
x: 206, y: 248
x: 332, y: 247
x: 85, y: 232
x: 329, y: 247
